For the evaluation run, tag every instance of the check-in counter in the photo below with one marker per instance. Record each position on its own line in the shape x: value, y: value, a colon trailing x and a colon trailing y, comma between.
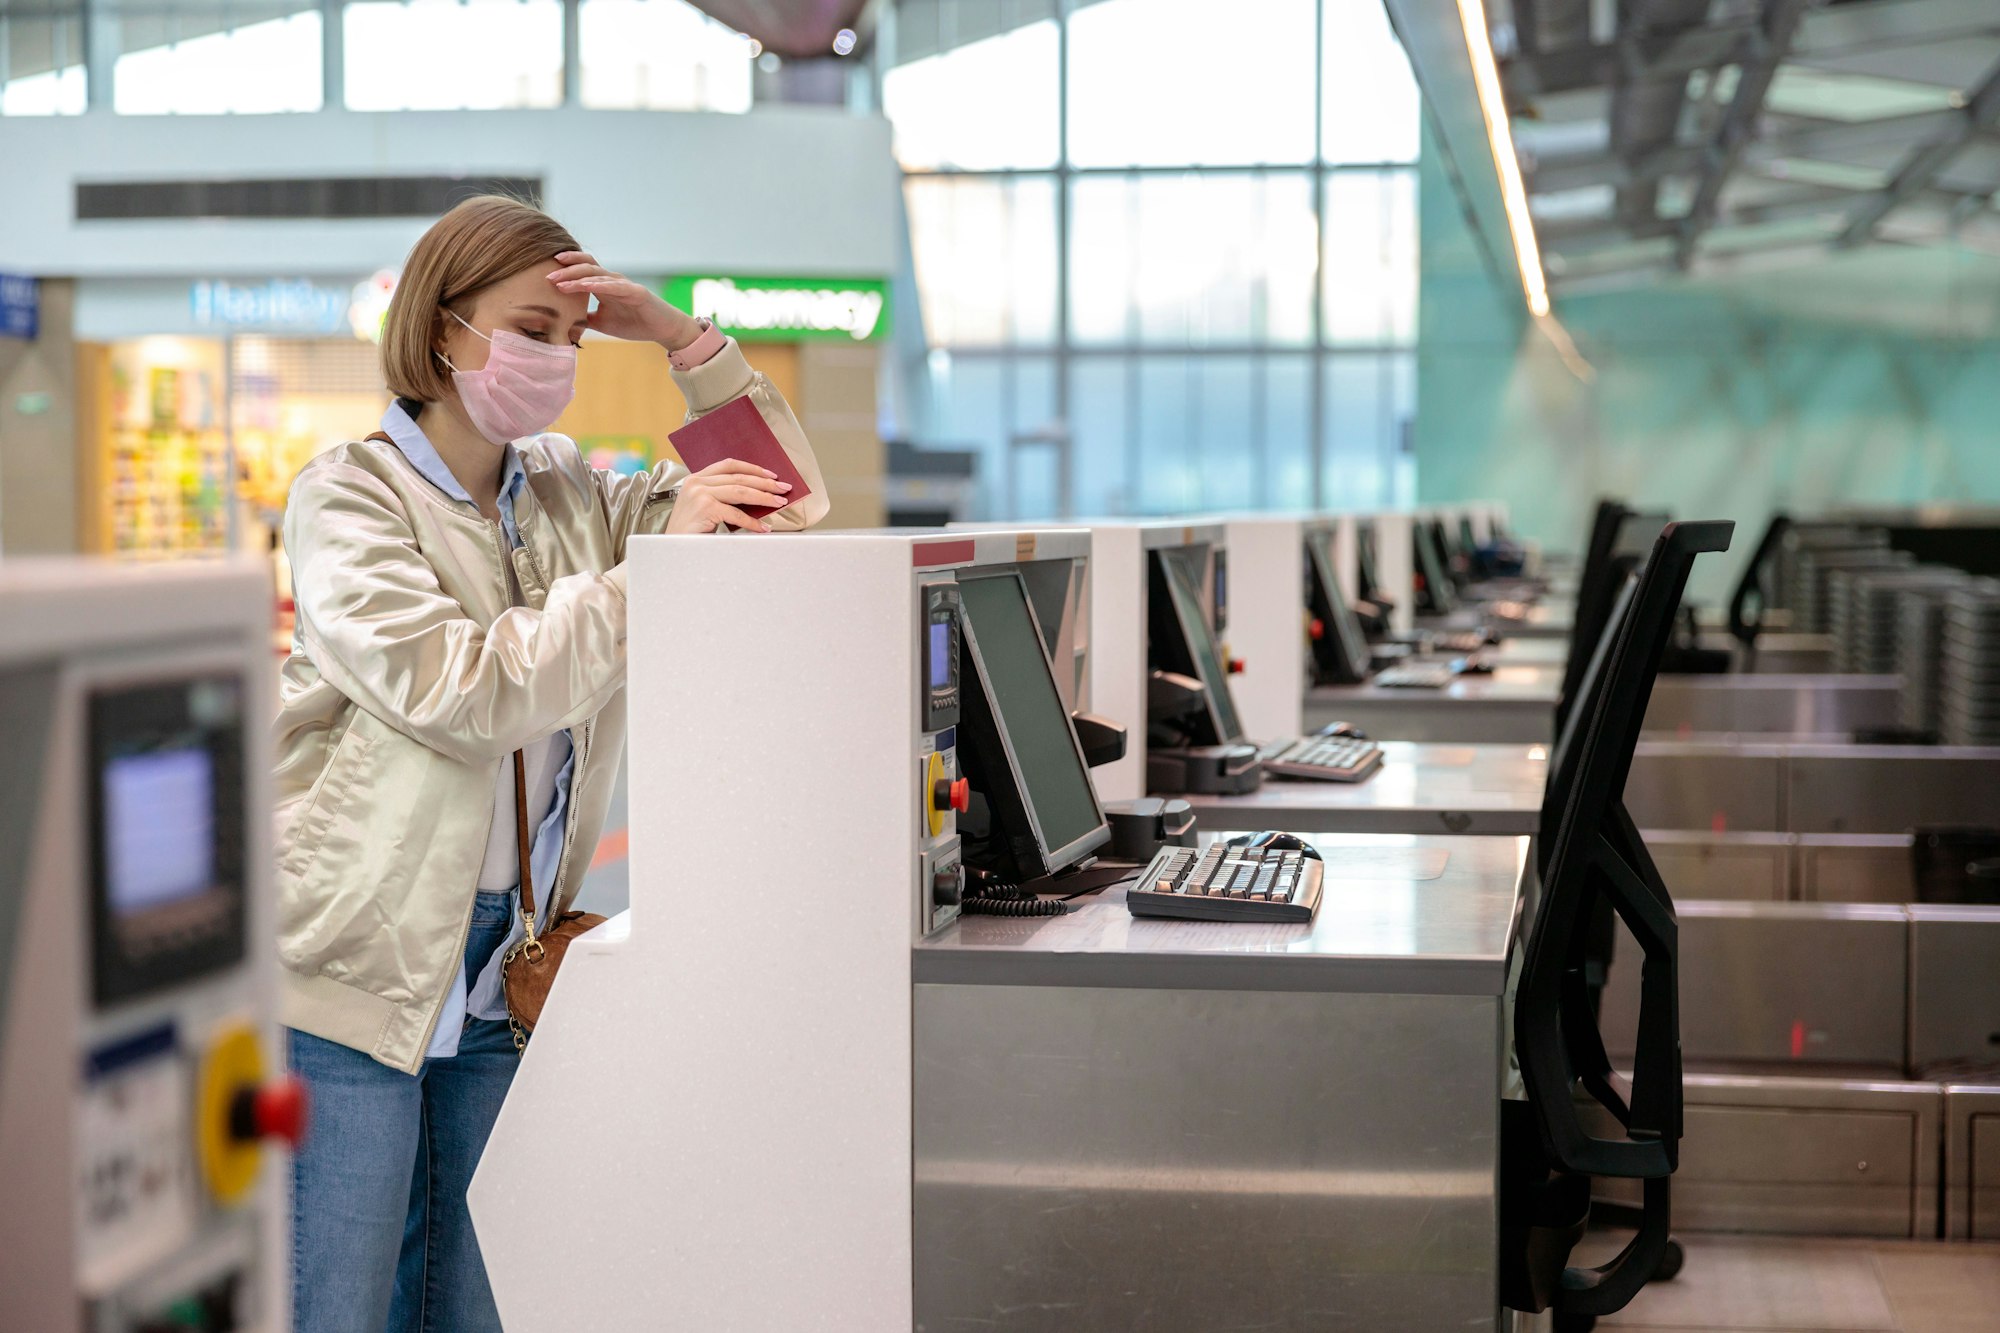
x: 1512, y: 704
x: 1972, y: 1161
x: 796, y: 1063
x: 1806, y: 1156
x: 1419, y: 788
x: 1834, y: 706
x: 1751, y: 867
x: 1761, y: 786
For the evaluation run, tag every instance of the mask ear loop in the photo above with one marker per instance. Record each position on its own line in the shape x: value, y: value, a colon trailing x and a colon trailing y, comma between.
x: 439, y: 352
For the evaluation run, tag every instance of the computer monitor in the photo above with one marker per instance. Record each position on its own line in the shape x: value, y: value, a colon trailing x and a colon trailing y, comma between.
x: 1468, y: 545
x: 1367, y: 579
x: 1339, y: 648
x: 1438, y: 596
x: 1182, y: 641
x: 1020, y: 748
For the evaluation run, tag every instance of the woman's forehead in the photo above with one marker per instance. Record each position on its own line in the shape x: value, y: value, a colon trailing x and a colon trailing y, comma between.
x: 531, y: 287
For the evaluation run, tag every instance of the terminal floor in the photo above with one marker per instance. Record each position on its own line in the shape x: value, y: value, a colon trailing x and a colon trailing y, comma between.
x: 1812, y: 1285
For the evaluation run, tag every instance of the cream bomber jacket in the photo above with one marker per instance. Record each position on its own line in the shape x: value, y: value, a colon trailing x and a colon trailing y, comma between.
x: 412, y: 679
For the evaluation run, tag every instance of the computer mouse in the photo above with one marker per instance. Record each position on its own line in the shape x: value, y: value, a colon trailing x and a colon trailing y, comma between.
x: 1342, y: 729
x: 1271, y: 840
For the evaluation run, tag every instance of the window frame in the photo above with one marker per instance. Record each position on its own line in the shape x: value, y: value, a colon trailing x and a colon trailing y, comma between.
x: 1321, y: 350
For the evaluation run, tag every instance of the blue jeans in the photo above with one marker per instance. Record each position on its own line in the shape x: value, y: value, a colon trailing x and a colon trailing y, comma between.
x: 381, y: 1238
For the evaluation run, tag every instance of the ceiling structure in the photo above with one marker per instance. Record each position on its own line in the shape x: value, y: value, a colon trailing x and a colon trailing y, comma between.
x: 1661, y: 137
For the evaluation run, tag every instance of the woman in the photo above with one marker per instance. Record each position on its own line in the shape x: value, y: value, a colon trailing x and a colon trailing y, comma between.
x: 460, y: 585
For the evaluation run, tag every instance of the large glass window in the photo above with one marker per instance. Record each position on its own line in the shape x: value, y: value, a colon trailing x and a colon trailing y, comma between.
x: 1370, y: 405
x: 1145, y: 86
x: 216, y: 57
x: 41, y: 59
x: 1192, y: 259
x: 1370, y: 110
x: 985, y: 254
x: 660, y: 55
x: 449, y: 55
x: 1371, y: 257
x: 1190, y: 293
x: 988, y: 104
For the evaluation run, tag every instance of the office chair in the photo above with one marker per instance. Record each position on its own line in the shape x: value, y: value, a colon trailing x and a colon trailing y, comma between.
x: 1758, y: 584
x: 1596, y: 589
x: 1547, y: 1156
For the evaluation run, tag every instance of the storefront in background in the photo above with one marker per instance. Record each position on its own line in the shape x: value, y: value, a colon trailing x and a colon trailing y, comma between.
x: 201, y: 400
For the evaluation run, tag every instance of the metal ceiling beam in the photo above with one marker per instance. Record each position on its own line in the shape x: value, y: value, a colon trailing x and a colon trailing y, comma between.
x: 1981, y: 113
x: 1643, y: 56
x: 1822, y: 140
x: 1781, y: 21
x: 1850, y: 29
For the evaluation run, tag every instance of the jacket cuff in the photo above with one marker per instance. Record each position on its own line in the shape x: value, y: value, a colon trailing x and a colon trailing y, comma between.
x: 724, y: 376
x: 698, y: 353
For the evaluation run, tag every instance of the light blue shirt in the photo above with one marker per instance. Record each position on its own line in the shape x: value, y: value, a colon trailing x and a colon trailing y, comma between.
x: 481, y: 996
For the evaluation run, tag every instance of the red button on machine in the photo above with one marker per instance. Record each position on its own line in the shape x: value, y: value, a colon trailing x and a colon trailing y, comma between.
x: 947, y: 795
x: 1317, y: 629
x: 1236, y: 665
x: 278, y: 1109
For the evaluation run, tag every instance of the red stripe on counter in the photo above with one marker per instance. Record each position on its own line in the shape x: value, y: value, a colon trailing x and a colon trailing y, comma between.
x: 613, y: 846
x: 924, y: 555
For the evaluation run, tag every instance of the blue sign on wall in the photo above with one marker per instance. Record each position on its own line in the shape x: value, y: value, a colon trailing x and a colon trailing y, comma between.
x: 20, y: 306
x: 274, y: 303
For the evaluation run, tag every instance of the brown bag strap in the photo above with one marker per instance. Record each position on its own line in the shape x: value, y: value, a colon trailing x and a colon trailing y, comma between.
x: 378, y: 435
x: 523, y: 843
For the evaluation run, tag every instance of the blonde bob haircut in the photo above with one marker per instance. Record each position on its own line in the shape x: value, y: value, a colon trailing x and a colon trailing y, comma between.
x: 480, y: 242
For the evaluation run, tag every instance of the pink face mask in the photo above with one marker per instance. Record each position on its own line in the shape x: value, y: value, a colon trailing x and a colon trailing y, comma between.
x: 523, y: 388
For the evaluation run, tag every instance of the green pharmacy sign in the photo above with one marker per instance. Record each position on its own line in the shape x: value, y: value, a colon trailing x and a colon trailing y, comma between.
x: 787, y: 309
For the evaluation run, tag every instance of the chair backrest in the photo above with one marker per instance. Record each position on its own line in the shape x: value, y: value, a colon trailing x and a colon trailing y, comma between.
x: 1595, y: 591
x: 1759, y: 583
x: 1597, y: 854
x: 1568, y: 748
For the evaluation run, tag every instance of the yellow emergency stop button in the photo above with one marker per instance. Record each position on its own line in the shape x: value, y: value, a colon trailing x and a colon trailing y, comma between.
x: 233, y: 1062
x: 934, y: 808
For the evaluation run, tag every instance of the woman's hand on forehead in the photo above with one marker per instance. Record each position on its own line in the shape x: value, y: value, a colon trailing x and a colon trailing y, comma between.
x: 625, y: 309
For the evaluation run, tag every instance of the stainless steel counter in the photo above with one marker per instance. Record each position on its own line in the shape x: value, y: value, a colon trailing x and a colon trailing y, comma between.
x: 1407, y: 915
x: 1512, y: 650
x: 1421, y: 788
x: 1511, y: 705
x: 1126, y: 1125
x: 1774, y: 704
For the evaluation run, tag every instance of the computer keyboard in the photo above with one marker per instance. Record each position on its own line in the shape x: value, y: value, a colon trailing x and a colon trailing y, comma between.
x: 1417, y: 676
x: 1228, y: 884
x: 1327, y: 758
x: 1458, y: 641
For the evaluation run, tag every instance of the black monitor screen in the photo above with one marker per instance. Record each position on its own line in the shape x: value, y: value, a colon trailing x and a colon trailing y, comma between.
x: 1034, y: 725
x: 1201, y: 647
x: 1368, y: 581
x: 1342, y: 649
x: 1430, y: 566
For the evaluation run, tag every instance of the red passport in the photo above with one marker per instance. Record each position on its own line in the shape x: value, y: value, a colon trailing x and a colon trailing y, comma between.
x: 737, y: 430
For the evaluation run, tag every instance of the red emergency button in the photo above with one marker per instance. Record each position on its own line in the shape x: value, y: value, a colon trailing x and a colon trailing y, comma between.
x: 947, y: 795
x: 1317, y: 629
x: 278, y: 1109
x: 1236, y: 665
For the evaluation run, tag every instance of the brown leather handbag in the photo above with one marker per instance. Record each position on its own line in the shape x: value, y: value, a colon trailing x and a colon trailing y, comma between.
x: 529, y: 968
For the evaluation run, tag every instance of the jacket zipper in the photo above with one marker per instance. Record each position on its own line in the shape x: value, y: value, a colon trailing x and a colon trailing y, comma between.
x: 465, y: 928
